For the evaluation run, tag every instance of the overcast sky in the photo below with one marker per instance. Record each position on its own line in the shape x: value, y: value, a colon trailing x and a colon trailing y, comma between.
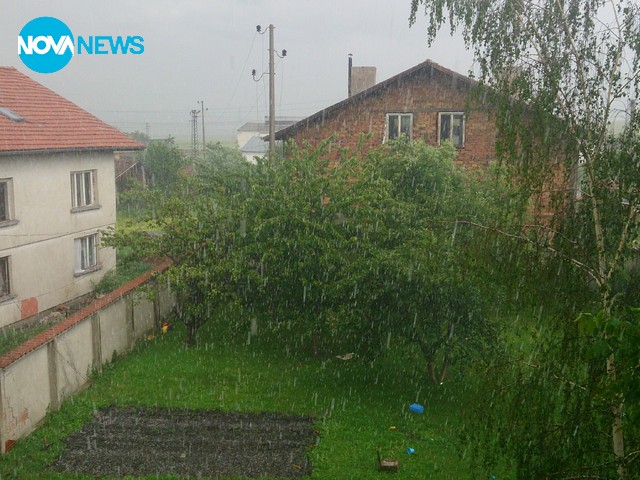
x: 205, y: 50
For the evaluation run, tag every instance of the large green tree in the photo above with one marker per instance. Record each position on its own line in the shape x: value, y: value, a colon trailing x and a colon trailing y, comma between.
x: 366, y: 249
x: 195, y: 220
x: 429, y: 276
x: 163, y: 160
x: 347, y: 253
x: 564, y: 76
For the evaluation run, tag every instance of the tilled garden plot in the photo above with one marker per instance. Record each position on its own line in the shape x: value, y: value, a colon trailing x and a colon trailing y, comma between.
x: 132, y: 441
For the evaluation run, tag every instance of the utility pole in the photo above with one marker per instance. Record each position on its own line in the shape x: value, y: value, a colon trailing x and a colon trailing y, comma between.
x: 194, y: 132
x: 202, y: 109
x: 272, y: 96
x: 272, y: 88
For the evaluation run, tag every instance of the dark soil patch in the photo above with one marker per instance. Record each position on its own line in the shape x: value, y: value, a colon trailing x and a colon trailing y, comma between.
x: 137, y: 442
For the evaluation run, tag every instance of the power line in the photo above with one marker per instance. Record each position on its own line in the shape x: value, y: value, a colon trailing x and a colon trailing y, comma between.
x: 242, y: 73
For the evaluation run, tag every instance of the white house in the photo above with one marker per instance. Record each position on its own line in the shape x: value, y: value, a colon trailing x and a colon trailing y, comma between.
x: 57, y: 192
x: 251, y: 136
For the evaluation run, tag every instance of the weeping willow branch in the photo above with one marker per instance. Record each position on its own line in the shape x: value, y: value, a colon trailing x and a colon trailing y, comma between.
x: 523, y: 238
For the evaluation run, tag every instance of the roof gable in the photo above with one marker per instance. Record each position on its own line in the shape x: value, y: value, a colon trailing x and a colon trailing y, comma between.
x: 255, y: 145
x: 50, y: 122
x: 427, y: 67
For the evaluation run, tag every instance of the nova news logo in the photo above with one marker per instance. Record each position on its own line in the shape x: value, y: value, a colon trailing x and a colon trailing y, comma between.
x: 46, y: 45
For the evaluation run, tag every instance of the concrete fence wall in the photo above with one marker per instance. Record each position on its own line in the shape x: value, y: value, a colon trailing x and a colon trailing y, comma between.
x: 39, y: 374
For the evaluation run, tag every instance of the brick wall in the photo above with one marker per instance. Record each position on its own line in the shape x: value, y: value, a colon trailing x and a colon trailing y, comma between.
x: 424, y: 94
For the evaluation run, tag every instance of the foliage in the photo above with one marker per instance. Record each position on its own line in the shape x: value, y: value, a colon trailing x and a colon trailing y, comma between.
x: 141, y: 137
x: 224, y: 158
x: 127, y: 268
x: 134, y: 201
x: 551, y: 388
x: 342, y: 254
x: 163, y: 161
x: 301, y: 226
x: 431, y: 266
x: 11, y: 337
x: 193, y: 223
x: 563, y: 77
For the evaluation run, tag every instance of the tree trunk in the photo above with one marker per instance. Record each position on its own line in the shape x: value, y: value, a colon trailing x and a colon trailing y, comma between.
x: 617, y: 429
x: 433, y: 374
x: 617, y: 433
x: 430, y: 354
x: 432, y: 371
x: 605, y: 271
x: 191, y: 334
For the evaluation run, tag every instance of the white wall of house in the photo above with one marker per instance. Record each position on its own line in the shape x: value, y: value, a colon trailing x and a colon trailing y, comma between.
x: 40, y: 241
x: 245, y: 135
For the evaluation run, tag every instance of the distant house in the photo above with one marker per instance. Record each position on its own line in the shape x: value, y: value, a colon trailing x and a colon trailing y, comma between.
x: 426, y: 102
x: 57, y: 192
x: 251, y: 136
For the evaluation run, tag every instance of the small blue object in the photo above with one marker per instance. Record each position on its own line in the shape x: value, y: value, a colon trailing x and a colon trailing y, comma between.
x: 410, y: 451
x: 416, y: 408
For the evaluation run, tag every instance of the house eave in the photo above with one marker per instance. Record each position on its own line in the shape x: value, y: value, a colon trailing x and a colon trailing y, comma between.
x: 44, y: 151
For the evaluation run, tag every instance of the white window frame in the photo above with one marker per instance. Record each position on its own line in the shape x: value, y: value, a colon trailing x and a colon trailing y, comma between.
x: 6, y: 197
x: 5, y: 279
x: 86, y: 254
x: 83, y: 190
x: 451, y: 116
x: 399, y: 132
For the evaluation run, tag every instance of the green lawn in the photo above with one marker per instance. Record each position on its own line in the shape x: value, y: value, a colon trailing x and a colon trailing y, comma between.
x: 355, y: 403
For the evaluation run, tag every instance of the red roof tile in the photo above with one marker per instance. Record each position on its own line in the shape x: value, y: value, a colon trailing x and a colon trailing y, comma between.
x: 51, y: 122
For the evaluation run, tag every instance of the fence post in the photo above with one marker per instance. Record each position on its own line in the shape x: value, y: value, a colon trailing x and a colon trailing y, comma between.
x: 96, y: 340
x: 3, y: 434
x: 130, y: 299
x: 52, y: 364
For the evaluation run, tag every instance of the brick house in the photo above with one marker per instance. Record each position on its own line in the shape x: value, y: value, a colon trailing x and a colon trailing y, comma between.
x: 57, y: 192
x: 426, y: 102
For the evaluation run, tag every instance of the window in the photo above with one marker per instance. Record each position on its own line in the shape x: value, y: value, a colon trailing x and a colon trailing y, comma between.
x: 11, y: 115
x: 4, y: 201
x: 83, y: 189
x: 6, y: 216
x: 451, y: 128
x: 5, y: 286
x: 86, y: 254
x: 399, y: 124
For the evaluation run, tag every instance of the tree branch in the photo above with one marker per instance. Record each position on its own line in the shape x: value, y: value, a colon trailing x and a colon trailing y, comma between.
x: 582, y: 266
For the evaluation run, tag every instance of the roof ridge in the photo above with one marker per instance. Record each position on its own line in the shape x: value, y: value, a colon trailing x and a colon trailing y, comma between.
x: 322, y: 114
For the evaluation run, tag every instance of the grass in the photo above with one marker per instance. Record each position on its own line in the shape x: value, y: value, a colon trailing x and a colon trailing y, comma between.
x: 12, y: 337
x: 360, y: 405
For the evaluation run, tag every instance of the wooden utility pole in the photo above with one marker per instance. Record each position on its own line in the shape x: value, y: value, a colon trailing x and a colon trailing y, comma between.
x: 272, y: 87
x: 272, y: 95
x: 204, y: 144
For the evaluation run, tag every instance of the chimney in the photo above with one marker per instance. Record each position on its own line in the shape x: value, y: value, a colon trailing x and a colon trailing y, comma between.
x: 349, y: 75
x: 360, y: 78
